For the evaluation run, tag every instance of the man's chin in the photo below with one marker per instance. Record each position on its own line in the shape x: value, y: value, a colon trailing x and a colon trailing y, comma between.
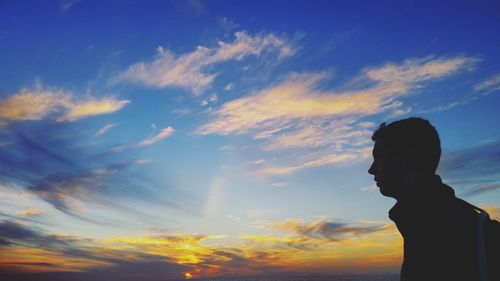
x: 386, y: 192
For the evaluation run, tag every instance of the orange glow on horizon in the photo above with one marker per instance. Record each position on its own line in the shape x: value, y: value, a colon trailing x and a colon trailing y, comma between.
x: 375, y: 251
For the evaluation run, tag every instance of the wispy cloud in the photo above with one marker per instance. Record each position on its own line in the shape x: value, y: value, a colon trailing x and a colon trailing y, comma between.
x: 68, y: 4
x: 188, y: 70
x: 318, y: 244
x: 105, y: 129
x: 481, y: 89
x: 489, y: 85
x: 299, y: 112
x: 328, y: 159
x: 211, y: 99
x: 49, y: 160
x: 195, y: 5
x: 31, y: 212
x: 28, y: 249
x: 474, y: 170
x: 48, y: 102
x: 164, y: 133
x: 298, y: 96
x: 228, y: 87
x: 322, y: 229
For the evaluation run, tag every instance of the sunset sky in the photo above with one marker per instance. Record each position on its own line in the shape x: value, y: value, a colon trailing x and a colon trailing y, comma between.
x: 158, y: 140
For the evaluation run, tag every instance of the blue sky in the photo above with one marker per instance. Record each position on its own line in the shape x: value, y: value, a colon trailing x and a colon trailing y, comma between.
x: 230, y: 131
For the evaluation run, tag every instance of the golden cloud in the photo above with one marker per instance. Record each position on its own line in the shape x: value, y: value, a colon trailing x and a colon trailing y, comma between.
x: 299, y: 112
x: 256, y: 254
x: 43, y: 102
x: 93, y: 107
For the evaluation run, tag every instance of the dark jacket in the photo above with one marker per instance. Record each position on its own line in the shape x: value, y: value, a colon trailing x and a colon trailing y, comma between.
x: 440, y: 235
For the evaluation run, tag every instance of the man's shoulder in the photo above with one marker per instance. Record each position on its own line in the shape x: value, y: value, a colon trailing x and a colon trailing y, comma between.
x: 457, y: 215
x: 458, y: 207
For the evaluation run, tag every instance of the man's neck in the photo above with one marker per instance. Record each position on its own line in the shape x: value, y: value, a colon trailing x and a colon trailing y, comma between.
x: 418, y: 187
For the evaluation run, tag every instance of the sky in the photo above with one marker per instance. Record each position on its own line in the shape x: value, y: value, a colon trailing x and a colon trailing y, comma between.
x: 170, y: 140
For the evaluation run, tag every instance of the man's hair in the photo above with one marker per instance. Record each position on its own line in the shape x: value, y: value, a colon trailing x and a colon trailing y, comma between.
x: 414, y: 134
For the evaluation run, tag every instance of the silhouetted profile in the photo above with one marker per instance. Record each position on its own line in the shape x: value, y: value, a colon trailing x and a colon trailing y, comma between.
x: 445, y: 238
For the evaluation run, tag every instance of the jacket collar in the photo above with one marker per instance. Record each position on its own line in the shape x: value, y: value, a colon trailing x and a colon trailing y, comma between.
x: 434, y: 193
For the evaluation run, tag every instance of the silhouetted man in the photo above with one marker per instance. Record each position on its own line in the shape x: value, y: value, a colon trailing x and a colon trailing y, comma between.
x: 445, y: 238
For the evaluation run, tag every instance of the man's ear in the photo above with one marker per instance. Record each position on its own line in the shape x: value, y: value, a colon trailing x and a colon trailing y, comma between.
x: 408, y: 159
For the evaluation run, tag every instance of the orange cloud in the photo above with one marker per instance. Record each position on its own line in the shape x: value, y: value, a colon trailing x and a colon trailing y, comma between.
x: 492, y: 210
x: 310, y: 249
x: 299, y: 112
x: 298, y: 96
x: 43, y: 102
x: 93, y: 107
x: 29, y: 259
x: 30, y: 212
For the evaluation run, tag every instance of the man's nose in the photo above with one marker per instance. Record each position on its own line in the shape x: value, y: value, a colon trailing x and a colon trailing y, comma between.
x: 371, y: 171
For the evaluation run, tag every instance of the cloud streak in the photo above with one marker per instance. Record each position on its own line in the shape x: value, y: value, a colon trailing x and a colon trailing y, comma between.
x: 164, y: 133
x: 50, y: 161
x: 188, y: 70
x: 474, y: 170
x: 105, y: 129
x: 321, y: 229
x: 29, y: 250
x: 489, y: 85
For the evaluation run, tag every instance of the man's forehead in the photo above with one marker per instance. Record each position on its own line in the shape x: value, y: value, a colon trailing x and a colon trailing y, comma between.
x: 378, y: 147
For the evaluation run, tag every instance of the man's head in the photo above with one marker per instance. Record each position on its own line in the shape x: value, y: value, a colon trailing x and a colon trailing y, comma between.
x: 405, y: 152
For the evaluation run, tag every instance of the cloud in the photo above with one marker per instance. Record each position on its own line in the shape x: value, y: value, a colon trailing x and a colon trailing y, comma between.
x: 211, y: 99
x: 50, y: 161
x: 173, y: 255
x: 68, y: 4
x: 298, y: 96
x: 482, y: 89
x: 195, y: 5
x: 300, y: 112
x: 493, y: 211
x: 31, y: 250
x: 46, y: 102
x: 489, y: 85
x: 228, y: 87
x: 31, y: 212
x: 164, y: 133
x: 227, y: 25
x: 328, y: 159
x: 92, y: 107
x: 10, y: 230
x: 204, y: 260
x: 473, y: 170
x: 188, y: 70
x: 412, y: 71
x: 322, y: 229
x: 33, y: 105
x: 315, y: 248
x: 105, y: 129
